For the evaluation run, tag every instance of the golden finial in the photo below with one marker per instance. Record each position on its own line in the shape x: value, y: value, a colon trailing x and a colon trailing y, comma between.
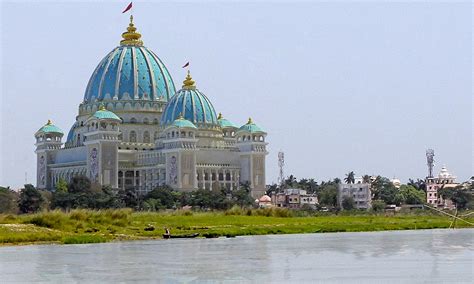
x: 220, y: 116
x: 49, y: 122
x: 102, y: 107
x: 180, y: 116
x: 131, y: 37
x: 188, y: 83
x: 250, y: 121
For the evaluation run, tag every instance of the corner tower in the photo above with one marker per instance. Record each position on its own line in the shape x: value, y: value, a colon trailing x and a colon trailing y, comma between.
x: 252, y: 147
x: 48, y: 142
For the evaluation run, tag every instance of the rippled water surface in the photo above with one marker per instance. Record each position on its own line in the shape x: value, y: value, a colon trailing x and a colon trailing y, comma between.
x: 396, y: 256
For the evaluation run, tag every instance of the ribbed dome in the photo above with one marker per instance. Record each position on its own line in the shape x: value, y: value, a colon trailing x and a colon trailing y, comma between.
x: 49, y: 127
x: 191, y: 104
x: 102, y: 113
x: 132, y: 70
x: 224, y: 123
x: 250, y: 127
x: 183, y: 123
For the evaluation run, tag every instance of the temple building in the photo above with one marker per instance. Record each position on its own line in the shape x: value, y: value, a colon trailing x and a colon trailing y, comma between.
x: 433, y: 184
x: 133, y: 130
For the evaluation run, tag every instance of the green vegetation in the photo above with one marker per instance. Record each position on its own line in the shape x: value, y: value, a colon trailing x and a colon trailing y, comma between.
x: 83, y: 212
x: 91, y: 226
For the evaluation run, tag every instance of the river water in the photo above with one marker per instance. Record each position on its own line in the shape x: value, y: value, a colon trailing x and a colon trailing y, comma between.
x: 372, y: 257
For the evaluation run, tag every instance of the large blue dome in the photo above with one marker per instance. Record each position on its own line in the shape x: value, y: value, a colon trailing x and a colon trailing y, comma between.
x: 130, y: 72
x: 191, y: 104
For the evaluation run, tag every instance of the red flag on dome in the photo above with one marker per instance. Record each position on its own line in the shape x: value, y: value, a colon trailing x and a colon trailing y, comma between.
x: 186, y: 65
x: 128, y: 7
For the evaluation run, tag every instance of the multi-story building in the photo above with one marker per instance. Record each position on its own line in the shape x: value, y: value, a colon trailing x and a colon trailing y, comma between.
x: 134, y: 131
x: 294, y: 198
x: 434, y: 184
x: 359, y: 192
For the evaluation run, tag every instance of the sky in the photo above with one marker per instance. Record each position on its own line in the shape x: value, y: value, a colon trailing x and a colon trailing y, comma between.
x: 339, y: 86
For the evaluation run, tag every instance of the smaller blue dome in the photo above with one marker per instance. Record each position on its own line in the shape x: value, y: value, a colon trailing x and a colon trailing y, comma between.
x: 49, y: 127
x: 250, y: 127
x: 180, y: 122
x: 224, y: 123
x: 192, y: 104
x: 102, y: 113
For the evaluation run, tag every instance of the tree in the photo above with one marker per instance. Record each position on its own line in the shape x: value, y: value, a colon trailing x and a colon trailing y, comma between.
x: 366, y: 179
x: 348, y: 203
x: 418, y: 184
x: 272, y: 189
x: 8, y: 200
x: 61, y: 185
x: 383, y: 189
x: 408, y: 194
x: 350, y: 177
x: 328, y: 194
x: 207, y: 199
x: 459, y: 196
x: 79, y: 184
x: 378, y: 205
x: 162, y: 195
x: 290, y: 182
x: 30, y: 199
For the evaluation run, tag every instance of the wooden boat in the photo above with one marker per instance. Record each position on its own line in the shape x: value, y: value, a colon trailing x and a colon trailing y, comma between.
x: 189, y: 236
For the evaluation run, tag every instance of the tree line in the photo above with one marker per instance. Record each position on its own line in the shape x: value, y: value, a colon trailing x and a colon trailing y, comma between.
x: 82, y: 193
x: 382, y: 189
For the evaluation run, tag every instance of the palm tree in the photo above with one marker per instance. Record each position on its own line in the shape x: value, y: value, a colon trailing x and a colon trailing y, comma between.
x: 366, y: 179
x: 350, y: 177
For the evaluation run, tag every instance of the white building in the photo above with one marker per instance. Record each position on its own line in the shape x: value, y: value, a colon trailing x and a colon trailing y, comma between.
x: 434, y: 184
x: 359, y: 192
x: 133, y: 130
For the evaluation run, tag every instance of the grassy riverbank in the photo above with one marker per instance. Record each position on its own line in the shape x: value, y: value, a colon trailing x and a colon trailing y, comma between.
x: 87, y: 226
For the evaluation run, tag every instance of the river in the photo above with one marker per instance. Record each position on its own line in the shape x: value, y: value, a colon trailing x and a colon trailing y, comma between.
x: 390, y: 257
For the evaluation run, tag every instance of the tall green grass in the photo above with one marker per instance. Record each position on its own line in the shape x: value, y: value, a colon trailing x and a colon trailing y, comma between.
x: 91, y: 226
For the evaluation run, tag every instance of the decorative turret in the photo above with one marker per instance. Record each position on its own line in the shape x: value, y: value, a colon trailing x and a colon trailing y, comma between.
x: 48, y: 142
x: 179, y: 145
x: 252, y: 147
x: 101, y: 141
x: 131, y: 37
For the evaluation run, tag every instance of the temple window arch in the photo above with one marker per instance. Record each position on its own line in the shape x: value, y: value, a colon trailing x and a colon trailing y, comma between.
x: 146, y: 137
x: 133, y: 136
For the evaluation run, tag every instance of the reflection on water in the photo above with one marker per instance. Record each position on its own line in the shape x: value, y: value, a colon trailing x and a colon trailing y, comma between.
x: 397, y: 256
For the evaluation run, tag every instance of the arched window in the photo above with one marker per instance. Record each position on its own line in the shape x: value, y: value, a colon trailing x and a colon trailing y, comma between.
x: 146, y: 137
x: 145, y: 120
x: 133, y: 120
x: 155, y: 121
x: 133, y: 136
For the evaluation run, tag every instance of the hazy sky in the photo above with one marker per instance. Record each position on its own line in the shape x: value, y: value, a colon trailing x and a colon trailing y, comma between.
x: 362, y: 86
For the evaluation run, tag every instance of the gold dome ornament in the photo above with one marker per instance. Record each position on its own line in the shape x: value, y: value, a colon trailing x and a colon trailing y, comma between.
x: 250, y: 121
x: 188, y: 82
x: 49, y: 122
x: 131, y: 37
